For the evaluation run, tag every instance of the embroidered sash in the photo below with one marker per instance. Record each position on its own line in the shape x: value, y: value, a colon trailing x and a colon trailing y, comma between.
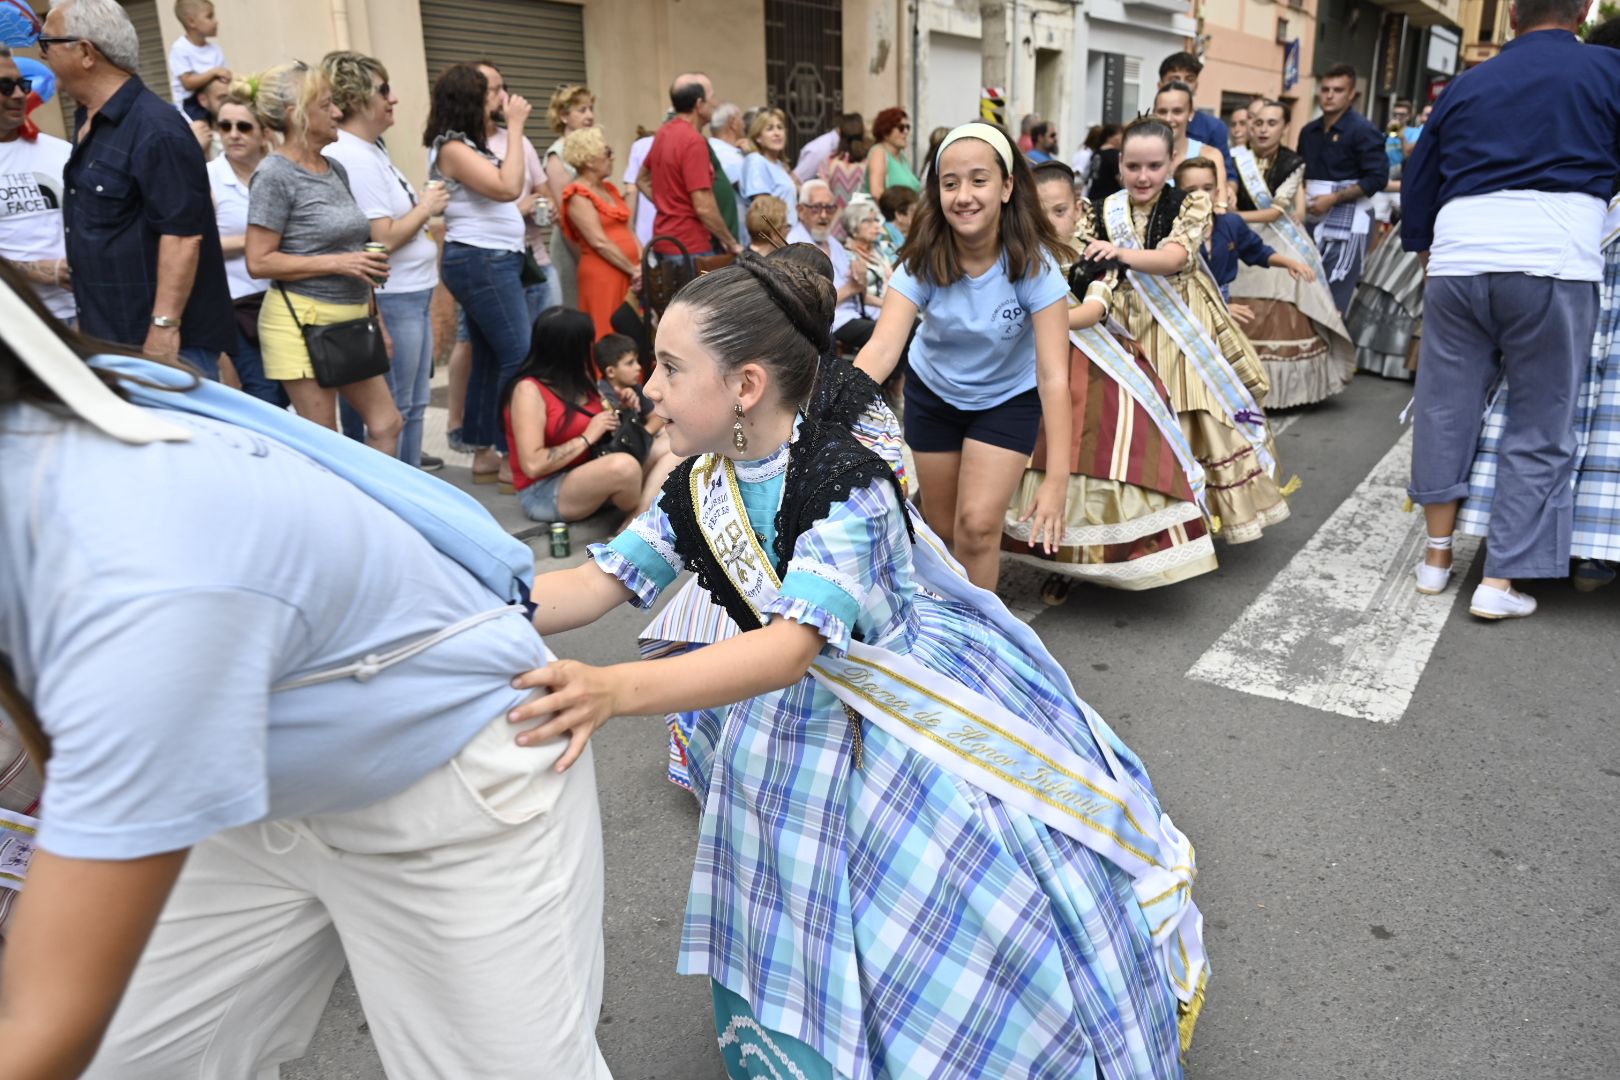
x: 981, y: 741
x: 17, y: 843
x: 1171, y: 312
x: 1104, y: 350
x: 1255, y: 182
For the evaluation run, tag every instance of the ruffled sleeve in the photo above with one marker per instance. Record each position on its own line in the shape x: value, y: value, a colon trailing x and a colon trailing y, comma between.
x: 1288, y: 189
x: 836, y: 562
x: 1192, y: 224
x: 642, y: 557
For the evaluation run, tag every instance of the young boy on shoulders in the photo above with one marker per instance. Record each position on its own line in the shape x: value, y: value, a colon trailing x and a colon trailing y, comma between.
x: 195, y: 61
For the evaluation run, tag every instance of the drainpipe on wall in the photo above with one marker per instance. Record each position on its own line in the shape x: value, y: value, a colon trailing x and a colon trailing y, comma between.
x: 916, y: 83
x: 340, y: 25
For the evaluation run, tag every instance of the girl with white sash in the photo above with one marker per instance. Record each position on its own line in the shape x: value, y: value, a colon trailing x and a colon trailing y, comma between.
x: 1134, y: 517
x: 920, y: 853
x: 1216, y: 381
x: 1296, y: 331
x: 1173, y: 104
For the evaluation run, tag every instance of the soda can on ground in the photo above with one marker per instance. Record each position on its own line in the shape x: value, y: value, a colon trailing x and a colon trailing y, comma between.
x: 562, y: 545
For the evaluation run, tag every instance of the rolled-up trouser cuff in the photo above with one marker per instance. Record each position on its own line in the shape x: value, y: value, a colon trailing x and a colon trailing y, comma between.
x: 1454, y: 493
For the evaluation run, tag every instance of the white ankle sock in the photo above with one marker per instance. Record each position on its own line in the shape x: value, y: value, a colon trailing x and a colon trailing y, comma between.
x: 1439, y: 543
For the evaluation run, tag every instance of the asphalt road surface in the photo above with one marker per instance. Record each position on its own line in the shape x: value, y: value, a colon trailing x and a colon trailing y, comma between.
x: 1405, y: 817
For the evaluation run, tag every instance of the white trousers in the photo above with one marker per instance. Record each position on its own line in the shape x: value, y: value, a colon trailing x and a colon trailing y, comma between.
x: 469, y: 908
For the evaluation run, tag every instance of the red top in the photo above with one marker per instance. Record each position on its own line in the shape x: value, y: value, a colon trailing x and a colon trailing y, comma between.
x: 679, y: 163
x: 562, y: 423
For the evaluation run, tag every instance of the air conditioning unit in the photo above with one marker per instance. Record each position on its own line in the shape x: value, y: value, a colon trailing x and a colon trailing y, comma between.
x: 1282, y: 31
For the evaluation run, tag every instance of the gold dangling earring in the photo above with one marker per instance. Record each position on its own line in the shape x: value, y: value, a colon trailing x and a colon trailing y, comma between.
x: 738, y: 438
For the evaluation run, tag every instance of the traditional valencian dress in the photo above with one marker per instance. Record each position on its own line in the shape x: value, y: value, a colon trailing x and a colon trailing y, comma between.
x: 927, y: 857
x: 1135, y: 518
x: 1215, y: 380
x: 1386, y: 316
x: 1297, y: 332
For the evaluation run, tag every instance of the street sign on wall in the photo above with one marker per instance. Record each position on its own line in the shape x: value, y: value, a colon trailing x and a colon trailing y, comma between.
x: 1113, y: 88
x: 1291, y: 65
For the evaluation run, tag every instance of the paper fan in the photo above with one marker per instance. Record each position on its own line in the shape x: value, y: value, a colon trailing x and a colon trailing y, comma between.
x: 19, y: 26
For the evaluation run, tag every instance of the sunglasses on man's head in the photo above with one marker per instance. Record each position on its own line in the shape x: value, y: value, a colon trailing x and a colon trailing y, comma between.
x: 11, y: 86
x: 246, y: 127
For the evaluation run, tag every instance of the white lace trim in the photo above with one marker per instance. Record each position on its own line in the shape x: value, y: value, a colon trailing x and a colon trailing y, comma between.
x: 765, y: 468
x: 730, y: 1037
x: 836, y: 578
x: 663, y: 547
x: 1122, y: 532
x: 1148, y: 566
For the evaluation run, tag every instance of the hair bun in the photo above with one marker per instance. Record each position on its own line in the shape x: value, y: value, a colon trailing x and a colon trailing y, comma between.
x: 799, y: 295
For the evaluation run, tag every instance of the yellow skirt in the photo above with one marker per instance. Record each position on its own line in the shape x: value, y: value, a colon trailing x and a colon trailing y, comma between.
x: 281, y: 342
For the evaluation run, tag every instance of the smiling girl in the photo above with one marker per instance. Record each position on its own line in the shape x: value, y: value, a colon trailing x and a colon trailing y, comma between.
x: 1216, y: 381
x: 1173, y: 104
x: 990, y: 361
x: 871, y: 897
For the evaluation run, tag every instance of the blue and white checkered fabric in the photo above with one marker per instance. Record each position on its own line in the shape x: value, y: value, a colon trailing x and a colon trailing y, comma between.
x: 897, y: 920
x: 1597, y: 476
x: 1596, y: 533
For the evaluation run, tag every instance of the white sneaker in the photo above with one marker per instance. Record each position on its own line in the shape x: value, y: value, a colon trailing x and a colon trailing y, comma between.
x: 1489, y: 603
x: 1432, y: 580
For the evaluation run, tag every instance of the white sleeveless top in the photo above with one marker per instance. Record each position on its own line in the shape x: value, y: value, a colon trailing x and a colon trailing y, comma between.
x: 471, y: 218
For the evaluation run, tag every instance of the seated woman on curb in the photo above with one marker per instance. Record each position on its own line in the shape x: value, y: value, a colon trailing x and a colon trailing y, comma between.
x: 555, y: 417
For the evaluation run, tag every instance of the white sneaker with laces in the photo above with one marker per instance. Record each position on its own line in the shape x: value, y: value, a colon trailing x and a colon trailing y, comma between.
x: 1490, y: 603
x: 1432, y: 580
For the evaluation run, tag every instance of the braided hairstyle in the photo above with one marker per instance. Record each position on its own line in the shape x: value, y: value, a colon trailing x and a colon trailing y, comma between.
x: 1149, y: 127
x: 774, y: 312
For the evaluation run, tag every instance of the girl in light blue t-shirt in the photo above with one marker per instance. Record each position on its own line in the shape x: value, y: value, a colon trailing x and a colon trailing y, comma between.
x: 990, y: 359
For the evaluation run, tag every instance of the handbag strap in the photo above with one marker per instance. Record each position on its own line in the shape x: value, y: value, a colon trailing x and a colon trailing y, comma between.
x: 371, y: 304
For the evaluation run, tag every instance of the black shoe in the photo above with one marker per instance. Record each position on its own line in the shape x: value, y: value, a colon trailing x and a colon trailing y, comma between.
x: 429, y: 463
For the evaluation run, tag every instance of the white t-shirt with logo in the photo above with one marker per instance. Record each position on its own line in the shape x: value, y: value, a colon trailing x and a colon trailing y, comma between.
x: 382, y: 191
x: 31, y: 209
x: 188, y: 59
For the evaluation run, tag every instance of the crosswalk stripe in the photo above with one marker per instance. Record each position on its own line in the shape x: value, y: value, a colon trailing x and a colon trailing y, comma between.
x: 1341, y: 628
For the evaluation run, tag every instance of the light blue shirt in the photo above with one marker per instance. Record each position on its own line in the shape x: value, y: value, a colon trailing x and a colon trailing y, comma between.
x: 151, y: 596
x: 762, y: 176
x: 976, y: 345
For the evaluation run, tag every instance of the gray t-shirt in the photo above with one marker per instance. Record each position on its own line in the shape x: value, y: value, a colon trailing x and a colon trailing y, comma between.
x: 315, y: 215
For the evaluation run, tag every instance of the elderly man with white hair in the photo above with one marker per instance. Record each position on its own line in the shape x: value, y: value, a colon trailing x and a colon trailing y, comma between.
x: 727, y: 134
x: 817, y: 209
x: 142, y: 239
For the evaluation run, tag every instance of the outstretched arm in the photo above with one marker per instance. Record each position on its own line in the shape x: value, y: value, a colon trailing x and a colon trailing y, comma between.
x: 882, y: 350
x: 582, y: 697
x: 568, y: 599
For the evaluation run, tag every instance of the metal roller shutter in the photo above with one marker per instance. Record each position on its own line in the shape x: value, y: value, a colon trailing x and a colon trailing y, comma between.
x: 537, y: 45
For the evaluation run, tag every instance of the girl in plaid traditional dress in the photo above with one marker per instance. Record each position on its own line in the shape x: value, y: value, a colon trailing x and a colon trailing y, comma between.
x: 862, y: 910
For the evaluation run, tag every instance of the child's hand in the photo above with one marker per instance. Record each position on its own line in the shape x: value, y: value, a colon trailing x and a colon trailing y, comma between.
x: 1301, y: 272
x: 581, y: 699
x: 1241, y: 313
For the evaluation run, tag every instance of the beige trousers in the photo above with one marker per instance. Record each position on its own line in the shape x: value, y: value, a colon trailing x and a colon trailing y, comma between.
x: 469, y: 908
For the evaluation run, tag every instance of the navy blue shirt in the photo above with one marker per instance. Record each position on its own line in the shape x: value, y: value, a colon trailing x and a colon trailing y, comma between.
x: 1230, y: 240
x: 1351, y: 150
x: 1210, y: 130
x: 138, y: 176
x: 1543, y: 115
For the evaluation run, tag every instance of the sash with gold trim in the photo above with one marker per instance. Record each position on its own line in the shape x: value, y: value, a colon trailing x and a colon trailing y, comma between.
x: 1255, y: 182
x: 17, y: 843
x: 981, y: 741
x: 1170, y: 311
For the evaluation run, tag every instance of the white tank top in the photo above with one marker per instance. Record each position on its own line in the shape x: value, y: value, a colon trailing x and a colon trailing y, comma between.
x: 471, y: 218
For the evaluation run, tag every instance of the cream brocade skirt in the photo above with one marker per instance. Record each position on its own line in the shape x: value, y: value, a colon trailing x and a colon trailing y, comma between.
x: 1243, y: 497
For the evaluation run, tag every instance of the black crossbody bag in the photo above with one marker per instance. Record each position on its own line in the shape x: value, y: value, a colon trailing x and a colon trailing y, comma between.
x: 346, y: 352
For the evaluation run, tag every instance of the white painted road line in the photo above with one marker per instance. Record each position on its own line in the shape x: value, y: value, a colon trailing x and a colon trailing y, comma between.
x: 1341, y: 628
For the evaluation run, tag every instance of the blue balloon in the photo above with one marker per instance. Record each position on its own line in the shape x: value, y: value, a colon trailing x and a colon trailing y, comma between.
x: 44, y: 78
x: 19, y: 26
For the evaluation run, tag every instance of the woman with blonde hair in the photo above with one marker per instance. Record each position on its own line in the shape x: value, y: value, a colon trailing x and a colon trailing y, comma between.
x: 597, y: 220
x: 398, y: 217
x: 307, y: 235
x: 765, y: 171
x: 572, y: 108
x: 767, y: 224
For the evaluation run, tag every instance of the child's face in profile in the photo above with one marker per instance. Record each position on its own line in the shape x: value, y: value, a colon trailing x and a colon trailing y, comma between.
x: 625, y: 371
x: 1059, y: 205
x: 205, y: 22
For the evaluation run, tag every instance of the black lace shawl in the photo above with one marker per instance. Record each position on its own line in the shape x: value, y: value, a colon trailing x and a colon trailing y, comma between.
x: 1161, y: 219
x: 825, y: 466
x: 1286, y: 164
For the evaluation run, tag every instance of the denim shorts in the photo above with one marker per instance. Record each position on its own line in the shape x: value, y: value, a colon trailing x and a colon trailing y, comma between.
x: 935, y: 426
x: 539, y: 499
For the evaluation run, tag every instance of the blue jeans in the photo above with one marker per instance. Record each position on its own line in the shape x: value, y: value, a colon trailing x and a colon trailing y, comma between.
x: 547, y: 294
x: 409, y: 319
x: 489, y: 287
x: 249, y: 364
x: 204, y: 360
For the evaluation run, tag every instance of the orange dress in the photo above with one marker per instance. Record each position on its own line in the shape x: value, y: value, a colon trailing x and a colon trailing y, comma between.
x: 602, y: 286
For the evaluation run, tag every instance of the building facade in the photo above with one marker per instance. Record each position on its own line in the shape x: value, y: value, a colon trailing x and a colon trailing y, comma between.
x: 1253, y: 48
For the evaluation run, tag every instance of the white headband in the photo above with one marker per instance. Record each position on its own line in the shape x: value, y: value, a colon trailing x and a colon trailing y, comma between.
x: 71, y: 380
x: 984, y: 133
